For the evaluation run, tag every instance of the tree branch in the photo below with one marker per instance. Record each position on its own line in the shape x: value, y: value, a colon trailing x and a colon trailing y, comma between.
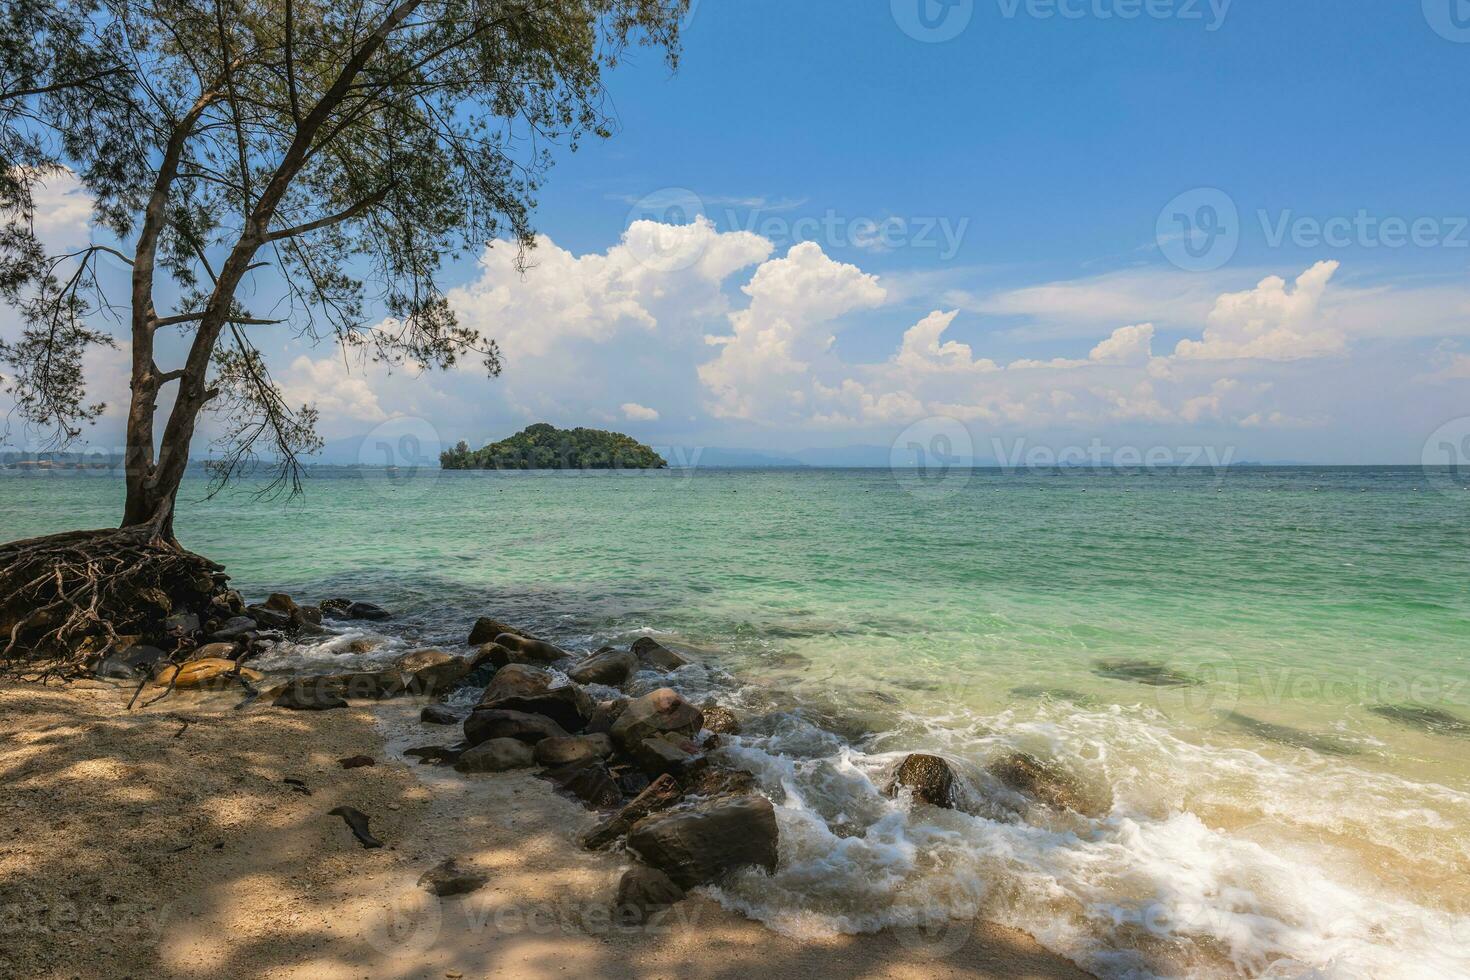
x: 331, y: 219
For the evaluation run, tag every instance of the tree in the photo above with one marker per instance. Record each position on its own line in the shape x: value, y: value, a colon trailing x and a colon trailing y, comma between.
x: 328, y: 153
x: 337, y: 150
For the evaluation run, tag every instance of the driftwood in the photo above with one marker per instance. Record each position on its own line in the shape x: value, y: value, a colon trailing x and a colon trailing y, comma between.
x: 68, y: 600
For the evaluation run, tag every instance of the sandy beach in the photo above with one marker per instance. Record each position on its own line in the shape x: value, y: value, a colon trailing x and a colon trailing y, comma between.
x: 166, y: 842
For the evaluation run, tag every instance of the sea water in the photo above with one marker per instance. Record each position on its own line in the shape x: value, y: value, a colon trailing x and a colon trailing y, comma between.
x: 1257, y: 679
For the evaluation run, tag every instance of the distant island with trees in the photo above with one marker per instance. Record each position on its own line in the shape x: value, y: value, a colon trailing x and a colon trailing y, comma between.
x: 545, y: 447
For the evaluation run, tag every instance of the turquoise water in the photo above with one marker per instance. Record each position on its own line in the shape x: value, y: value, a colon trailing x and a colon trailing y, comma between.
x: 1256, y: 674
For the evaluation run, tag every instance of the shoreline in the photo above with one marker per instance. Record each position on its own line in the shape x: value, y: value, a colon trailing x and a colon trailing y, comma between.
x: 167, y: 837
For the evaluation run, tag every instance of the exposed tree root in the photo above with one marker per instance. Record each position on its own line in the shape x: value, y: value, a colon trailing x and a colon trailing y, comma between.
x: 68, y: 600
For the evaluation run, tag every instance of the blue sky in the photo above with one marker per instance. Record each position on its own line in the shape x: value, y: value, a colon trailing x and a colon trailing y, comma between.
x: 1240, y: 224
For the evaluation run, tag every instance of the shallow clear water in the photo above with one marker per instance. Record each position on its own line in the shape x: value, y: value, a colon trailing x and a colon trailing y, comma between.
x: 1243, y: 671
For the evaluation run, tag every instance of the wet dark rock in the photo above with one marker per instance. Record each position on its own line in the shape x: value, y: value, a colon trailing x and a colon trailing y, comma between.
x: 437, y: 755
x: 671, y: 754
x: 701, y: 844
x: 518, y: 687
x: 1286, y: 735
x: 714, y: 780
x: 233, y: 629
x: 572, y: 750
x: 1424, y: 718
x: 605, y: 714
x: 661, y: 794
x: 721, y: 721
x: 657, y: 712
x: 484, y: 724
x: 496, y: 755
x: 269, y: 618
x: 367, y: 684
x: 523, y: 649
x: 432, y: 672
x: 643, y: 893
x: 447, y: 879
x: 439, y: 714
x: 607, y: 666
x: 487, y: 629
x: 281, y: 602
x: 1151, y: 672
x: 490, y: 653
x: 653, y: 653
x: 1047, y: 782
x: 592, y: 784
x: 309, y: 697
x: 118, y: 669
x: 928, y: 777
x: 224, y: 651
x: 347, y: 609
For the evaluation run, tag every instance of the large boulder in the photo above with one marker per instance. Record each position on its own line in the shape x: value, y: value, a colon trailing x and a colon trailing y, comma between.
x: 487, y: 629
x: 701, y: 844
x: 642, y: 894
x: 432, y: 672
x: 524, y: 649
x: 656, y: 713
x: 593, y: 784
x: 656, y: 655
x: 439, y: 714
x: 607, y: 666
x: 272, y: 619
x: 208, y: 672
x: 605, y: 714
x: 484, y: 724
x: 309, y: 697
x: 573, y: 750
x: 659, y: 795
x: 369, y: 684
x: 568, y: 705
x: 496, y: 755
x: 671, y: 754
x: 928, y: 777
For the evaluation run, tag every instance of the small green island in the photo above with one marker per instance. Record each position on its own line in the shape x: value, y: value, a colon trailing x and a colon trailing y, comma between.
x: 545, y: 447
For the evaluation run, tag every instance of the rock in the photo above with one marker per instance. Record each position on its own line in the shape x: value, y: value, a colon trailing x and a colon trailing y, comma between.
x: 439, y: 714
x: 357, y: 762
x: 672, y: 754
x: 490, y: 653
x: 656, y: 655
x: 708, y: 781
x: 447, y: 878
x: 367, y: 610
x: 116, y: 668
x: 607, y: 666
x: 336, y: 608
x: 515, y: 688
x: 526, y: 650
x: 572, y: 750
x: 655, y: 713
x: 233, y: 629
x: 366, y: 684
x: 701, y: 844
x: 269, y: 618
x: 642, y: 894
x: 357, y: 821
x: 592, y: 784
x: 484, y: 724
x: 605, y: 714
x: 929, y: 777
x: 309, y: 697
x: 185, y: 623
x: 721, y: 721
x: 432, y: 671
x: 311, y: 614
x: 661, y: 794
x: 496, y: 755
x: 282, y: 603
x: 211, y: 672
x: 361, y: 645
x: 487, y: 629
x: 1047, y: 782
x: 435, y: 754
x: 215, y: 651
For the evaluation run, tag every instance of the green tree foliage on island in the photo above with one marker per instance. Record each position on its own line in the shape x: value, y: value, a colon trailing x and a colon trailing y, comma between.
x: 327, y: 155
x: 545, y: 447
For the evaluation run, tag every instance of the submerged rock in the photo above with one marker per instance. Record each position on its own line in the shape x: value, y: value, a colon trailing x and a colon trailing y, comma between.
x: 607, y: 666
x: 496, y: 755
x: 657, y: 712
x: 1426, y: 719
x: 487, y: 723
x: 721, y: 721
x: 701, y: 844
x: 1047, y: 782
x: 656, y: 655
x: 1151, y: 672
x: 347, y: 609
x: 643, y: 893
x: 928, y: 777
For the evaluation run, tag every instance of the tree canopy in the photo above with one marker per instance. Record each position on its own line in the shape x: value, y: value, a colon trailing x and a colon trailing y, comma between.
x: 545, y: 447
x: 326, y: 154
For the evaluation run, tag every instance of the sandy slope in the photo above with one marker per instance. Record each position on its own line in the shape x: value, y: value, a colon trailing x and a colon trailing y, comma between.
x: 134, y: 845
